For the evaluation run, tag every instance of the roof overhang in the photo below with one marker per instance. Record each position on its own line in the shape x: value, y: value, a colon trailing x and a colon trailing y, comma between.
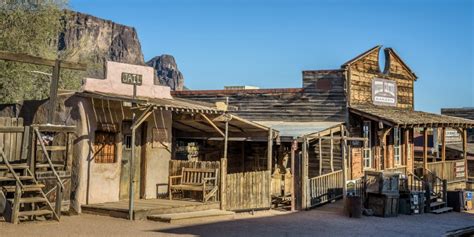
x: 398, y: 117
x: 289, y: 131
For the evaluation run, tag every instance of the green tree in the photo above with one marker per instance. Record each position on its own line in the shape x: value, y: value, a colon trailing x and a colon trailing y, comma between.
x: 31, y: 27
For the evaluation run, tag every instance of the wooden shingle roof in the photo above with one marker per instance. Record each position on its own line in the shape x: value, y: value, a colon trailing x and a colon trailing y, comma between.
x: 409, y: 118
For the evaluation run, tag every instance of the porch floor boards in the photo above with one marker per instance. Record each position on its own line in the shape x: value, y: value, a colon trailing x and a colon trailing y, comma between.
x: 146, y: 207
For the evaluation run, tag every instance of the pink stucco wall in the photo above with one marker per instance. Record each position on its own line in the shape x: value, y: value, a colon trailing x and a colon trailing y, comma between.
x: 113, y: 82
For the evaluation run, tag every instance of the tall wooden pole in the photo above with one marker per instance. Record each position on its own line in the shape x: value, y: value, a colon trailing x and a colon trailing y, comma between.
x: 320, y: 156
x: 464, y: 151
x: 332, y: 152
x: 131, y: 197
x: 443, y: 151
x: 294, y: 146
x: 304, y: 176
x: 270, y: 150
x: 425, y: 150
x: 53, y: 92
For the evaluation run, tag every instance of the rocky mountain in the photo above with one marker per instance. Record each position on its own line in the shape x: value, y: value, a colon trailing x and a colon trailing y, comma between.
x: 167, y: 72
x: 93, y: 40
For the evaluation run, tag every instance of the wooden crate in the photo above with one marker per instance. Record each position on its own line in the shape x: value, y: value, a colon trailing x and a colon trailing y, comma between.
x: 383, y: 205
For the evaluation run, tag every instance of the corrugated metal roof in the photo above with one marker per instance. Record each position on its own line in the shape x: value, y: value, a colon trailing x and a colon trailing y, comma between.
x: 298, y: 129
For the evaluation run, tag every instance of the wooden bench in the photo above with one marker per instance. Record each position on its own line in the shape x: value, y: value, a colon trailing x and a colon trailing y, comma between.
x: 195, y: 179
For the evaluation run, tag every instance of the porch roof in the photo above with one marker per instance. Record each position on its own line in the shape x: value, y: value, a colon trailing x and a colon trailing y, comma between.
x: 175, y: 104
x: 409, y: 118
x: 299, y: 129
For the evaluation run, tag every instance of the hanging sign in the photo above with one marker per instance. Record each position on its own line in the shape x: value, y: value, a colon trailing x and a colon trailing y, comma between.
x: 384, y: 92
x: 131, y: 79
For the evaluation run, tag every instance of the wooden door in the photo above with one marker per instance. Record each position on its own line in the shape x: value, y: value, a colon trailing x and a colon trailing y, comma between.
x: 125, y: 164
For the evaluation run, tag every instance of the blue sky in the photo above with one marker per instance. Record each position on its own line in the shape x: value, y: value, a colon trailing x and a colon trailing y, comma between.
x: 269, y: 43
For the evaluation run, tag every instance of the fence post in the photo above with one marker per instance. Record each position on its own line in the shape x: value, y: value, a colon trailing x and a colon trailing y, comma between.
x: 223, y: 174
x: 304, y: 176
x: 59, y: 199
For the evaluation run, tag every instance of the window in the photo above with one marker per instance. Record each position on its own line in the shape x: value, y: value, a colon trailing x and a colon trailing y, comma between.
x: 396, y: 146
x: 367, y: 154
x: 104, y: 147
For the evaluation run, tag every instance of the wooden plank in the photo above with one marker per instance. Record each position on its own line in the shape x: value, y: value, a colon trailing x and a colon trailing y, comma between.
x: 25, y: 58
x: 425, y: 149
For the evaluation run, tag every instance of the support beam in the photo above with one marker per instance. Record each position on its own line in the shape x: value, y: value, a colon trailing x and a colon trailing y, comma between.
x: 443, y: 151
x: 215, y: 126
x: 226, y: 138
x: 294, y: 146
x: 406, y: 142
x: 425, y: 149
x: 270, y: 150
x: 223, y: 192
x: 332, y: 152
x: 53, y: 91
x: 304, y: 176
x: 320, y: 156
x: 464, y: 151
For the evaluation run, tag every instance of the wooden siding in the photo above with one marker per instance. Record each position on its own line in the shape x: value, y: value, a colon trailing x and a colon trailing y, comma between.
x: 366, y: 68
x: 11, y: 142
x: 322, y: 98
x: 248, y: 191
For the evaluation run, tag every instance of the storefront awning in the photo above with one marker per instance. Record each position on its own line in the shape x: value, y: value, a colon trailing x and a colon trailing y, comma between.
x: 409, y: 118
x: 175, y: 104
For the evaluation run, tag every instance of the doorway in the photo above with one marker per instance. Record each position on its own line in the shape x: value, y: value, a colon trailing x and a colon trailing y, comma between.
x: 126, y: 157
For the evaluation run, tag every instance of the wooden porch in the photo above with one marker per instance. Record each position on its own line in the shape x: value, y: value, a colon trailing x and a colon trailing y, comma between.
x: 146, y: 207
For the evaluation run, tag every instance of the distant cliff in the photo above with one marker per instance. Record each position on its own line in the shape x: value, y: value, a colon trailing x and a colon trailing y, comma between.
x: 93, y: 40
x: 167, y: 72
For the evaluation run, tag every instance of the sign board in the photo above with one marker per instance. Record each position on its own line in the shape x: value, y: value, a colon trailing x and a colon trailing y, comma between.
x: 132, y: 79
x: 384, y: 92
x: 459, y: 169
x: 453, y: 137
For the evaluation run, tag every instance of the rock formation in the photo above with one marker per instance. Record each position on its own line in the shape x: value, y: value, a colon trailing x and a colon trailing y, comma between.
x: 167, y: 72
x: 93, y: 40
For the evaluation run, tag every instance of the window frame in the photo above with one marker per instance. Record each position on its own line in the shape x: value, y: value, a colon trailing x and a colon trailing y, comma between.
x: 367, y: 149
x: 105, y: 150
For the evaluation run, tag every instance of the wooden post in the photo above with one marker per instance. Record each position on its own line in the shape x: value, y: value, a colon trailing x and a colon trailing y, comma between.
x: 320, y: 157
x: 425, y: 150
x: 464, y: 151
x: 226, y: 138
x: 443, y: 151
x: 270, y: 150
x: 223, y: 190
x: 304, y: 176
x: 53, y: 92
x: 59, y: 199
x: 16, y: 203
x: 332, y: 151
x: 406, y: 144
x: 294, y: 145
x: 344, y: 167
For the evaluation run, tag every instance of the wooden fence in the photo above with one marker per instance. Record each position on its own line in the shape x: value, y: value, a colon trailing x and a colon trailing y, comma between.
x: 448, y: 170
x: 325, y: 188
x: 248, y: 191
x: 11, y: 138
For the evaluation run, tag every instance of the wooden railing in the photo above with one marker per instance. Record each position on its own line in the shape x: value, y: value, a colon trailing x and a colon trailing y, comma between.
x: 445, y: 170
x: 398, y: 169
x: 325, y: 188
x: 415, y: 183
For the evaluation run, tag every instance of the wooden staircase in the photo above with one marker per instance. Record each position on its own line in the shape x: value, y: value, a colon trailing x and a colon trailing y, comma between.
x: 436, y: 194
x: 24, y: 195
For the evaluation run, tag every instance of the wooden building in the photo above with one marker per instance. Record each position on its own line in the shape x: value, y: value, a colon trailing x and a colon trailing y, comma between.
x: 376, y: 105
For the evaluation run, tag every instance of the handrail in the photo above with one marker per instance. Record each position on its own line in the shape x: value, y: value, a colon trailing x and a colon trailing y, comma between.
x: 45, y: 152
x: 328, y: 174
x: 4, y: 158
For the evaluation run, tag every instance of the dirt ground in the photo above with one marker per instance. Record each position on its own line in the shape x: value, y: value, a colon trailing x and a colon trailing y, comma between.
x: 325, y: 221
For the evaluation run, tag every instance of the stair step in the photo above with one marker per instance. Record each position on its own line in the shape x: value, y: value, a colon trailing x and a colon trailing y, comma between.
x: 41, y: 165
x: 35, y: 213
x: 186, y: 216
x: 436, y: 204
x: 10, y: 178
x: 15, y: 166
x: 31, y: 200
x: 442, y: 210
x: 26, y: 188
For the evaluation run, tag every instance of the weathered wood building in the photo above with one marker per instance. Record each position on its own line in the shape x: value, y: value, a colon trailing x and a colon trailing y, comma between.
x: 374, y: 103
